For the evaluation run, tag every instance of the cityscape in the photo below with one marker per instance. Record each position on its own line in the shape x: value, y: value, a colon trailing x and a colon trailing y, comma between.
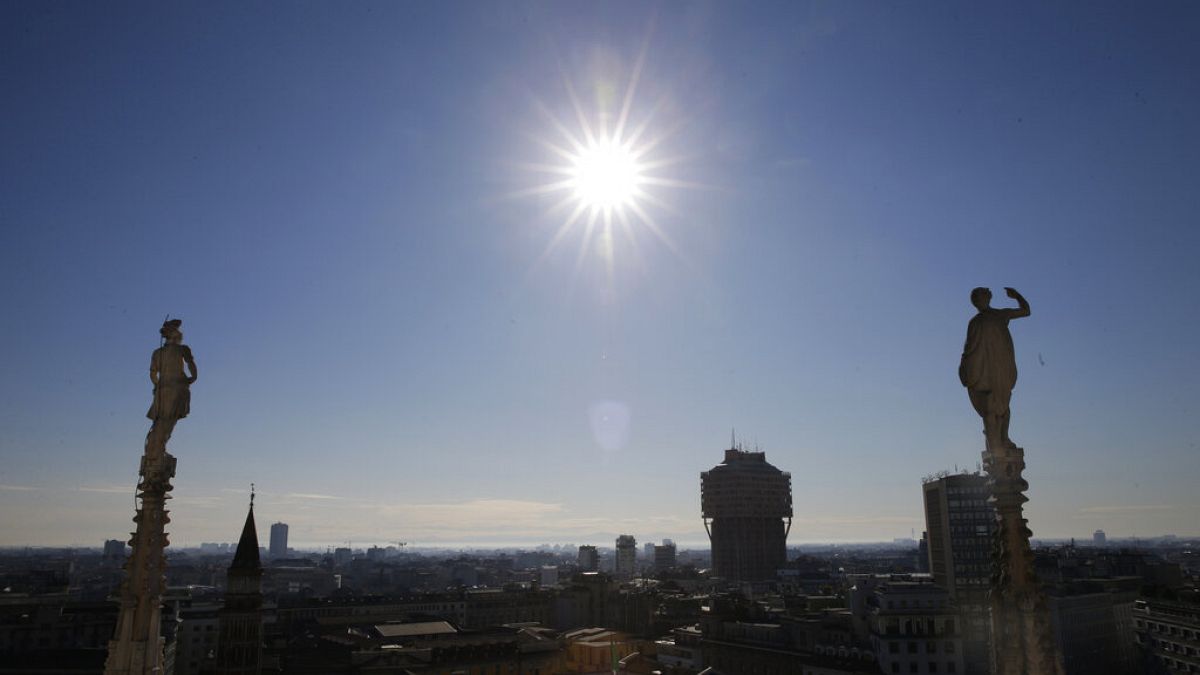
x: 747, y: 603
x: 529, y: 338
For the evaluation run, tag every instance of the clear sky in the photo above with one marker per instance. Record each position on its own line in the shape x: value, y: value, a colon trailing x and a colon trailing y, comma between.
x: 340, y: 202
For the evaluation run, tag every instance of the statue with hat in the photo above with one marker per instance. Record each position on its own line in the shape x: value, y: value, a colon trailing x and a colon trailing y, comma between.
x: 172, y: 393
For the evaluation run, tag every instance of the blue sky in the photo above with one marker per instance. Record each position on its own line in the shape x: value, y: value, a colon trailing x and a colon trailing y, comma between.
x: 335, y: 200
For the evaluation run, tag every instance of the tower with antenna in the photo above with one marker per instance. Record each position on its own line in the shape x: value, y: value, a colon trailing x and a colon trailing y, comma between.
x: 746, y: 506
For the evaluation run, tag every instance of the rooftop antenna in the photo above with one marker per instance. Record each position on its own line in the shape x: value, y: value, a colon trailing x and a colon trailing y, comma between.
x: 732, y: 438
x: 252, y: 496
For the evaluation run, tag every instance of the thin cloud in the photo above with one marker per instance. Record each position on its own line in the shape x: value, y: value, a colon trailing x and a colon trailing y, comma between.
x: 108, y: 489
x: 20, y: 488
x: 856, y: 520
x: 1126, y: 509
x: 309, y: 495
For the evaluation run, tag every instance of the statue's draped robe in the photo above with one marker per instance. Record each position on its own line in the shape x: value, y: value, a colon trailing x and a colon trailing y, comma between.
x: 988, y: 361
x: 172, y: 395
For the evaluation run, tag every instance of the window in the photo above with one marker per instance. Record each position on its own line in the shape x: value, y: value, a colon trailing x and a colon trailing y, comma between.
x: 950, y: 667
x: 912, y: 667
x: 933, y: 666
x: 895, y: 667
x: 893, y: 647
x: 912, y: 648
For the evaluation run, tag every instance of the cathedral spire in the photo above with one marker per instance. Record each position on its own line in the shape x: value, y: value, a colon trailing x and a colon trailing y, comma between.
x: 246, y: 557
x: 239, y: 637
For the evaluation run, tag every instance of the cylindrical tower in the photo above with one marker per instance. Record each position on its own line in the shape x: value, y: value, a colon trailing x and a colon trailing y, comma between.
x: 746, y: 504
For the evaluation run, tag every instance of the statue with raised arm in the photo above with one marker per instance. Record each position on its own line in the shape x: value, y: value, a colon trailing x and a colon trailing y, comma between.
x: 989, y: 367
x: 172, y: 394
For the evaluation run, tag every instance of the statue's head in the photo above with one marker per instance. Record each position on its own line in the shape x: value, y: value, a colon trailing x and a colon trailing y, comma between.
x: 170, y: 330
x: 981, y: 298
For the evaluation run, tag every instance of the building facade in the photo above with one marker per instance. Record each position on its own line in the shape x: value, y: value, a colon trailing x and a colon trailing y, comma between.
x: 1168, y: 636
x: 915, y: 628
x: 959, y: 525
x: 626, y: 561
x: 746, y: 504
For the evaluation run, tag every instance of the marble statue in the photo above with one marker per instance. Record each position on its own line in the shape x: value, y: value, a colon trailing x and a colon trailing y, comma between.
x: 989, y: 368
x: 172, y: 394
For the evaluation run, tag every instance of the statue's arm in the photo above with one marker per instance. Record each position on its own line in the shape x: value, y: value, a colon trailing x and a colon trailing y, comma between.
x: 191, y: 364
x: 154, y: 368
x: 1022, y: 309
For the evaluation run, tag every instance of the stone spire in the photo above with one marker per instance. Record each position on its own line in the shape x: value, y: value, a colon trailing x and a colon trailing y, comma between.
x: 137, y: 646
x: 239, y: 637
x: 1022, y: 637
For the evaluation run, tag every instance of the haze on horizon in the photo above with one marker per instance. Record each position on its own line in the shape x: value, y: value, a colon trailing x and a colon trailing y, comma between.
x: 402, y: 336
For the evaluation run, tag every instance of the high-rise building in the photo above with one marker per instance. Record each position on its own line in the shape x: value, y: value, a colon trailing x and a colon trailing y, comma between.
x: 589, y: 559
x: 279, y: 536
x: 239, y: 630
x: 746, y: 505
x: 626, y: 562
x: 959, y: 525
x: 1099, y: 540
x: 664, y: 555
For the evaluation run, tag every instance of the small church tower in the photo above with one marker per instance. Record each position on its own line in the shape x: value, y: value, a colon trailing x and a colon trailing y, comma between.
x: 239, y: 641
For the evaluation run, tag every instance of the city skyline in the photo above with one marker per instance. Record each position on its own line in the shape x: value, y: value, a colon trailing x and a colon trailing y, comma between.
x: 338, y: 203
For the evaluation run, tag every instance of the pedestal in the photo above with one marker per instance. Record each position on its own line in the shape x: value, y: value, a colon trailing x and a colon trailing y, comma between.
x: 137, y: 647
x: 1022, y: 639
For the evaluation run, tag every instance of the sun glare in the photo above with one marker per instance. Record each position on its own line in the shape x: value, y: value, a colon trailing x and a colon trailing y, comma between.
x: 606, y: 175
x: 607, y: 168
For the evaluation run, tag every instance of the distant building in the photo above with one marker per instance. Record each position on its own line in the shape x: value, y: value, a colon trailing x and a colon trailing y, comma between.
x: 746, y: 505
x: 114, y: 551
x: 279, y: 540
x: 664, y: 555
x: 959, y: 525
x: 589, y: 559
x: 923, y: 553
x: 626, y: 561
x: 549, y: 576
x: 342, y: 556
x: 1099, y: 540
x: 239, y: 633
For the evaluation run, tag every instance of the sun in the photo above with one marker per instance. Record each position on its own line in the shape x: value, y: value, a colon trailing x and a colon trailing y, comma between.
x: 606, y: 175
x: 605, y: 168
